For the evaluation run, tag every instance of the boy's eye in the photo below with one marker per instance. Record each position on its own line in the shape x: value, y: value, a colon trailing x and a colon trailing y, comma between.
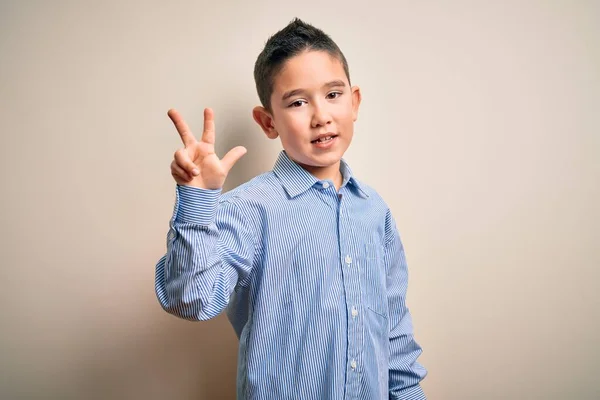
x: 334, y: 95
x: 297, y: 103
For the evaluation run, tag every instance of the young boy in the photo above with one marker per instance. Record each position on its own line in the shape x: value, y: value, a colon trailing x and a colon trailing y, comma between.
x: 305, y: 259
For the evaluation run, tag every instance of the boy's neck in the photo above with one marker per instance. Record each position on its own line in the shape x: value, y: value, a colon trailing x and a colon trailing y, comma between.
x: 331, y: 173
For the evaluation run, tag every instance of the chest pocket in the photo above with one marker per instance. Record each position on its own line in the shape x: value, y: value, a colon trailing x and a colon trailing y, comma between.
x: 374, y: 278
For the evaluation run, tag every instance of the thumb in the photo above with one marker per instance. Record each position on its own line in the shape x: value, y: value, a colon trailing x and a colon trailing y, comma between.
x: 232, y: 157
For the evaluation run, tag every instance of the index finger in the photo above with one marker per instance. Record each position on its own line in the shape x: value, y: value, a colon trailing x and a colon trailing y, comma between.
x: 187, y: 137
x: 208, y: 135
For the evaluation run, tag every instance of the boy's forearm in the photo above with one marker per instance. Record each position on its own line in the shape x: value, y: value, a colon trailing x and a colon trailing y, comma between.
x: 192, y: 280
x: 413, y: 393
x: 405, y: 372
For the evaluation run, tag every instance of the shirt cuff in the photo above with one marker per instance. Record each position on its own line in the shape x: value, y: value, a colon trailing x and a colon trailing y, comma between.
x: 196, y: 205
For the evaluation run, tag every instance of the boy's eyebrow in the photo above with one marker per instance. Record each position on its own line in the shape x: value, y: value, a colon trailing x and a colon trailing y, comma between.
x: 294, y: 92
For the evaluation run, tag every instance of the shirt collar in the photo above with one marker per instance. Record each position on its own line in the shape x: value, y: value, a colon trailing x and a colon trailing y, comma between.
x: 296, y: 180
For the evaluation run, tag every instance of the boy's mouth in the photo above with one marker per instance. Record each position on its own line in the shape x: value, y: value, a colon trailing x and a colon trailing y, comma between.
x: 324, y: 139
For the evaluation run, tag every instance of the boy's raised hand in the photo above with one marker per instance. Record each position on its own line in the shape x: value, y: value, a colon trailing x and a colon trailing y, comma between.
x: 196, y: 164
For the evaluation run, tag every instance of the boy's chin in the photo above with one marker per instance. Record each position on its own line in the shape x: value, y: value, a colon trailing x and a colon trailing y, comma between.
x: 320, y: 161
x: 321, y: 158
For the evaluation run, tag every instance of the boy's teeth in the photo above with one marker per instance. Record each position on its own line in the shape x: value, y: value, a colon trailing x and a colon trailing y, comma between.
x: 324, y: 139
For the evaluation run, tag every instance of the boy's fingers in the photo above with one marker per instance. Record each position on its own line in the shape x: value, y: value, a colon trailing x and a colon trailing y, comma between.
x: 232, y: 157
x: 208, y: 135
x: 176, y: 171
x: 185, y: 133
x: 184, y: 162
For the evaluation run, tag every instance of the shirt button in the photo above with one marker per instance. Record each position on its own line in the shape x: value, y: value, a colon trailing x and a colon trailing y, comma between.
x: 354, y: 312
x: 325, y: 185
x: 353, y: 364
x: 348, y: 260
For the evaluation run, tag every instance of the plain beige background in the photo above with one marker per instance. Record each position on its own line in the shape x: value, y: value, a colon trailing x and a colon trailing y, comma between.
x: 480, y: 126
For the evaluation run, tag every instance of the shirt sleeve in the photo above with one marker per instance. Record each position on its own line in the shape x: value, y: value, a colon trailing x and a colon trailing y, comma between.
x: 210, y: 250
x: 405, y: 373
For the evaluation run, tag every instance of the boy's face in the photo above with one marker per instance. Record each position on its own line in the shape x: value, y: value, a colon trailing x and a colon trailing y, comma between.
x: 312, y: 98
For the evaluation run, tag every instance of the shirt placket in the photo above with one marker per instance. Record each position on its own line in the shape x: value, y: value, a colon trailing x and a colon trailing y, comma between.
x: 351, y: 278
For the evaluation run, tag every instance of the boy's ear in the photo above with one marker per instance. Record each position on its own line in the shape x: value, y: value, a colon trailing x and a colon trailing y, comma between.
x: 265, y: 120
x: 356, y: 98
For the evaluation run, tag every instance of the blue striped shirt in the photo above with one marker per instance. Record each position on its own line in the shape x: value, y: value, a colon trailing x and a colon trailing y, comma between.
x: 313, y: 281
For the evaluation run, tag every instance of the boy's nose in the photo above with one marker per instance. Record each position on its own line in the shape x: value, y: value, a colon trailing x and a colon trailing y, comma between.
x: 320, y: 117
